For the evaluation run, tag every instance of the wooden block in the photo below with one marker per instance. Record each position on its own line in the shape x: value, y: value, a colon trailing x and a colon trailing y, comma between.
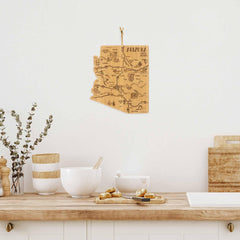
x: 224, y: 165
x: 227, y: 141
x: 122, y: 78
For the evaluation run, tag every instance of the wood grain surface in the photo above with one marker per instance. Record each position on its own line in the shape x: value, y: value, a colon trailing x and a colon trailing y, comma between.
x: 63, y: 208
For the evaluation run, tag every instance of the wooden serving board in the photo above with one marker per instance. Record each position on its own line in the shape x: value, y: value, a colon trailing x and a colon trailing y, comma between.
x: 115, y: 200
x: 224, y: 165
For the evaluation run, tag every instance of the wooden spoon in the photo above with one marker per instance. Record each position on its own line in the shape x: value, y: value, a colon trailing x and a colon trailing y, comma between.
x: 98, y: 163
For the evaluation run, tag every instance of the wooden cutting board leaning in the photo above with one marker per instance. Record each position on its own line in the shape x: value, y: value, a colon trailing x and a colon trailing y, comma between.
x: 224, y: 164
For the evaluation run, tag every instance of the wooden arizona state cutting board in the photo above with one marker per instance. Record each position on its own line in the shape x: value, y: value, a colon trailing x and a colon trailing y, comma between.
x: 122, y: 78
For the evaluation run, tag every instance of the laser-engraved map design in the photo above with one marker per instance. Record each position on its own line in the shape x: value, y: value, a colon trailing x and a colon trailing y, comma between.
x: 122, y: 78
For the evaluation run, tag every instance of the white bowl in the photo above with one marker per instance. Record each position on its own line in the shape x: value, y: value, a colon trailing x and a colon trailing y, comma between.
x: 130, y: 184
x: 80, y: 181
x: 46, y: 186
x: 45, y: 167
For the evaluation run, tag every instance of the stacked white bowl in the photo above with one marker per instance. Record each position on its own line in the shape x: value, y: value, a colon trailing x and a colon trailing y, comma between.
x: 46, y: 173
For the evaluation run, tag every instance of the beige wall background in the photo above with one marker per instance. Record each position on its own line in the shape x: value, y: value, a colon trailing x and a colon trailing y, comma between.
x: 46, y: 55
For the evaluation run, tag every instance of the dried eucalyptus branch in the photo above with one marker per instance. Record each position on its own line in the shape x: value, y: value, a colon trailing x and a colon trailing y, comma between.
x: 26, y: 146
x: 25, y: 152
x: 16, y: 165
x: 4, y: 138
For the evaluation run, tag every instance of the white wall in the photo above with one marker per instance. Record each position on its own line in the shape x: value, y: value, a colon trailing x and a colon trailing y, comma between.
x: 46, y: 55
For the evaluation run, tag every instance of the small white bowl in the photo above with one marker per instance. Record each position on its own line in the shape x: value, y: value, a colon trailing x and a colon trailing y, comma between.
x: 46, y: 186
x: 46, y: 167
x: 130, y: 184
x: 80, y: 181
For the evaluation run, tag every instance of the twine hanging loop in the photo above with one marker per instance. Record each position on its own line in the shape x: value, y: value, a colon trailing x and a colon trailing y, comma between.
x: 121, y: 30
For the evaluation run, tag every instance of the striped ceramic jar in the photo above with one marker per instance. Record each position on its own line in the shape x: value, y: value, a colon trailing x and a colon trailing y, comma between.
x: 46, y: 173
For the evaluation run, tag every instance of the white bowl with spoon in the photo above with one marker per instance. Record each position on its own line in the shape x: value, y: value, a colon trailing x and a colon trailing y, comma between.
x: 81, y: 181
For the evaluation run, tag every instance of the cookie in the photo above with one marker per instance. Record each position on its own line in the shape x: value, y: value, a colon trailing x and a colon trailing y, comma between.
x: 116, y: 194
x: 111, y: 190
x: 141, y: 192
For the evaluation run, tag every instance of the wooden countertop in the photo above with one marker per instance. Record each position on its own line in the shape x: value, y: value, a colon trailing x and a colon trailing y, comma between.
x: 62, y: 207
